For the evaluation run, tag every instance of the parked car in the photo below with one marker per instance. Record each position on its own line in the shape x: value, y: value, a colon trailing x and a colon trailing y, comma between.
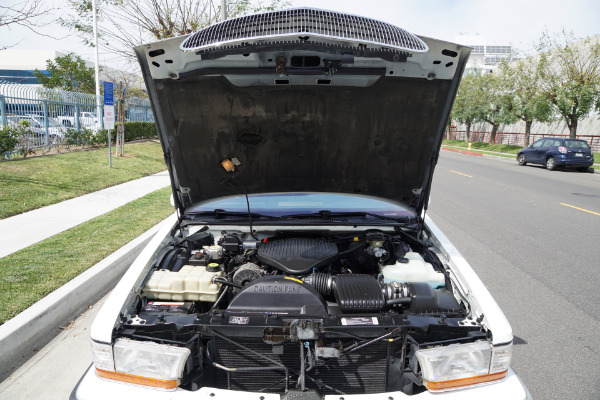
x: 558, y: 152
x: 37, y: 125
x: 87, y: 120
x: 300, y: 262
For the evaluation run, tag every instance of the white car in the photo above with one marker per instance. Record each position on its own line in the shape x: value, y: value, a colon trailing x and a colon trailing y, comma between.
x: 87, y: 120
x: 300, y: 264
x: 37, y: 125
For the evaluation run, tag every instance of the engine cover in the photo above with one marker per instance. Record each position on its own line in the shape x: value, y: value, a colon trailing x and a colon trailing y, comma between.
x: 297, y: 255
x: 278, y: 295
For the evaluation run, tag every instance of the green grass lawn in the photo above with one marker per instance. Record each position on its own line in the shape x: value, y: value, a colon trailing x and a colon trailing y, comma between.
x: 31, y: 273
x: 30, y: 183
x: 500, y: 148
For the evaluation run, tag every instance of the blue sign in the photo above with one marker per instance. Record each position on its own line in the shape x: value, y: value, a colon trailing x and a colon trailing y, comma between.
x: 108, y: 94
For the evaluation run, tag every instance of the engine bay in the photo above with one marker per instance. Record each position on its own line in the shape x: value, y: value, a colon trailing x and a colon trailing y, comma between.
x: 334, y: 312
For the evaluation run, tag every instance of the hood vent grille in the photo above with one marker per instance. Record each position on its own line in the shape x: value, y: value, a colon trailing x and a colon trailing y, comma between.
x: 301, y: 23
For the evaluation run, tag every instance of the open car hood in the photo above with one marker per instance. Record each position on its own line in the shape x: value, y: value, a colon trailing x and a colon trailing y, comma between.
x: 302, y: 100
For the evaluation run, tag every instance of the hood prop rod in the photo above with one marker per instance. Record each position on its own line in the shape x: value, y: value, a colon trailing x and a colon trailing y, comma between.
x: 176, y: 191
x: 235, y: 185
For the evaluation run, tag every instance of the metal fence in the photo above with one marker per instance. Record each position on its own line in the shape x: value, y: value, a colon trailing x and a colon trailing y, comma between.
x: 518, y: 139
x: 50, y: 112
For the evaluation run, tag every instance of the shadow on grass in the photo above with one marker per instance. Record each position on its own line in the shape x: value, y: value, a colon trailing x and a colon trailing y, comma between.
x: 43, y: 183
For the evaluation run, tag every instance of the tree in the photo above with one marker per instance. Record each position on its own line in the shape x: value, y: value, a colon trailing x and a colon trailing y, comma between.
x: 467, y: 102
x: 570, y: 73
x: 68, y: 73
x: 129, y: 80
x: 125, y: 24
x: 497, y: 102
x: 28, y: 13
x: 529, y: 104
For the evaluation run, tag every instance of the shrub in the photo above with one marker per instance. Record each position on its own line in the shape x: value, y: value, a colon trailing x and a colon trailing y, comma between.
x: 25, y: 138
x: 100, y: 138
x: 133, y: 131
x: 8, y: 140
x: 82, y: 137
x: 139, y: 130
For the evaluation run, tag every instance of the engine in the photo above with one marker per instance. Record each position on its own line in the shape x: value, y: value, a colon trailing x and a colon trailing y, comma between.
x: 294, y: 275
x: 332, y: 312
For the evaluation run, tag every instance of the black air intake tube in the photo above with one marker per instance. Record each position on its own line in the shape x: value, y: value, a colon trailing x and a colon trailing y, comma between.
x: 360, y: 293
x: 322, y: 282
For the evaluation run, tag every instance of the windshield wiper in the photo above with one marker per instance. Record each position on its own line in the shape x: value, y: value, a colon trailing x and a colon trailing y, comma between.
x: 327, y: 214
x: 219, y: 213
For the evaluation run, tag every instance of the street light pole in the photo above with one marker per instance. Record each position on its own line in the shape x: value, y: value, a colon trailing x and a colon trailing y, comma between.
x: 96, y: 67
x: 223, y: 10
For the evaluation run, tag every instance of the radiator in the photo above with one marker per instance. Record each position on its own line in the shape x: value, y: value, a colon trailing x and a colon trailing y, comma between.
x: 362, y: 371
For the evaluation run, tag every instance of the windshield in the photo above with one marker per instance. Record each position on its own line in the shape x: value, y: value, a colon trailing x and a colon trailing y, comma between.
x: 279, y: 204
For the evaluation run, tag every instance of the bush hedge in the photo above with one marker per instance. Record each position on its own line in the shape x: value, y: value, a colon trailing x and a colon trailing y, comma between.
x: 133, y: 131
x: 10, y: 137
x: 139, y: 130
x: 8, y: 140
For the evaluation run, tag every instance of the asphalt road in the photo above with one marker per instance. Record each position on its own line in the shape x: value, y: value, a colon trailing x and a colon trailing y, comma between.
x: 533, y: 237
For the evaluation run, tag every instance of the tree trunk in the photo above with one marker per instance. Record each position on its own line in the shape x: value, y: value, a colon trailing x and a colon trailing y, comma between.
x: 527, y: 132
x: 573, y: 129
x: 494, y: 130
x: 468, y: 137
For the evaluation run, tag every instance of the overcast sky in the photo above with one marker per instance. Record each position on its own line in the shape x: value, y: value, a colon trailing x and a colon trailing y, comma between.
x: 515, y: 22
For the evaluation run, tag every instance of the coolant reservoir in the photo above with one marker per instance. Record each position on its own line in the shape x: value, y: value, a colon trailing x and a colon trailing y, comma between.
x: 191, y: 282
x: 415, y: 270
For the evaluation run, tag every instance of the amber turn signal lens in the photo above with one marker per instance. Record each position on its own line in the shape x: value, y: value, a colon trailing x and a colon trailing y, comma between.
x: 137, y: 380
x: 459, y: 383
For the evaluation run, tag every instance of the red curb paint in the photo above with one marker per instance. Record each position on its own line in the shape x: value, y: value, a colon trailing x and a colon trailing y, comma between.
x: 463, y: 151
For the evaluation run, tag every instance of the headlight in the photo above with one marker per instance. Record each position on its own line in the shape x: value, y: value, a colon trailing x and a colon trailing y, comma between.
x: 456, y: 366
x: 141, y: 363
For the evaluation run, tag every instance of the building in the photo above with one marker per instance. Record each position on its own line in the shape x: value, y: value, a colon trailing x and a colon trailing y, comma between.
x: 17, y: 66
x: 483, y: 56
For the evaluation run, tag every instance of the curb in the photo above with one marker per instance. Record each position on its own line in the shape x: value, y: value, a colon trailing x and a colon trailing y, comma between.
x: 23, y: 335
x: 463, y: 151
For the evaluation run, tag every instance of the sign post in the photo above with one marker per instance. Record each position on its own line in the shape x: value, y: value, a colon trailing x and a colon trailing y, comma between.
x: 109, y: 114
x: 120, y: 121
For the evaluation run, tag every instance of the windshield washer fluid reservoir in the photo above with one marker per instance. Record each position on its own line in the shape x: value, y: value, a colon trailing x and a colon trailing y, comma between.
x: 191, y: 282
x: 415, y: 270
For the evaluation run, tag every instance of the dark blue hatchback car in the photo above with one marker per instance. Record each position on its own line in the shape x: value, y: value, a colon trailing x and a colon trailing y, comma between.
x: 555, y: 152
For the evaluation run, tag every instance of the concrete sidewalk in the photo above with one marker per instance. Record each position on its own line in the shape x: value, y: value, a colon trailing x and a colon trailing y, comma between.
x: 25, y: 229
x: 55, y: 369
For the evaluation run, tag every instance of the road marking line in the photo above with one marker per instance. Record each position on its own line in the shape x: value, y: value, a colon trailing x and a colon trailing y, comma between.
x: 468, y: 176
x: 580, y: 209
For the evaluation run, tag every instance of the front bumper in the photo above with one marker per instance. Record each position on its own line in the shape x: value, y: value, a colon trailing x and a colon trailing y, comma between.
x: 90, y: 387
